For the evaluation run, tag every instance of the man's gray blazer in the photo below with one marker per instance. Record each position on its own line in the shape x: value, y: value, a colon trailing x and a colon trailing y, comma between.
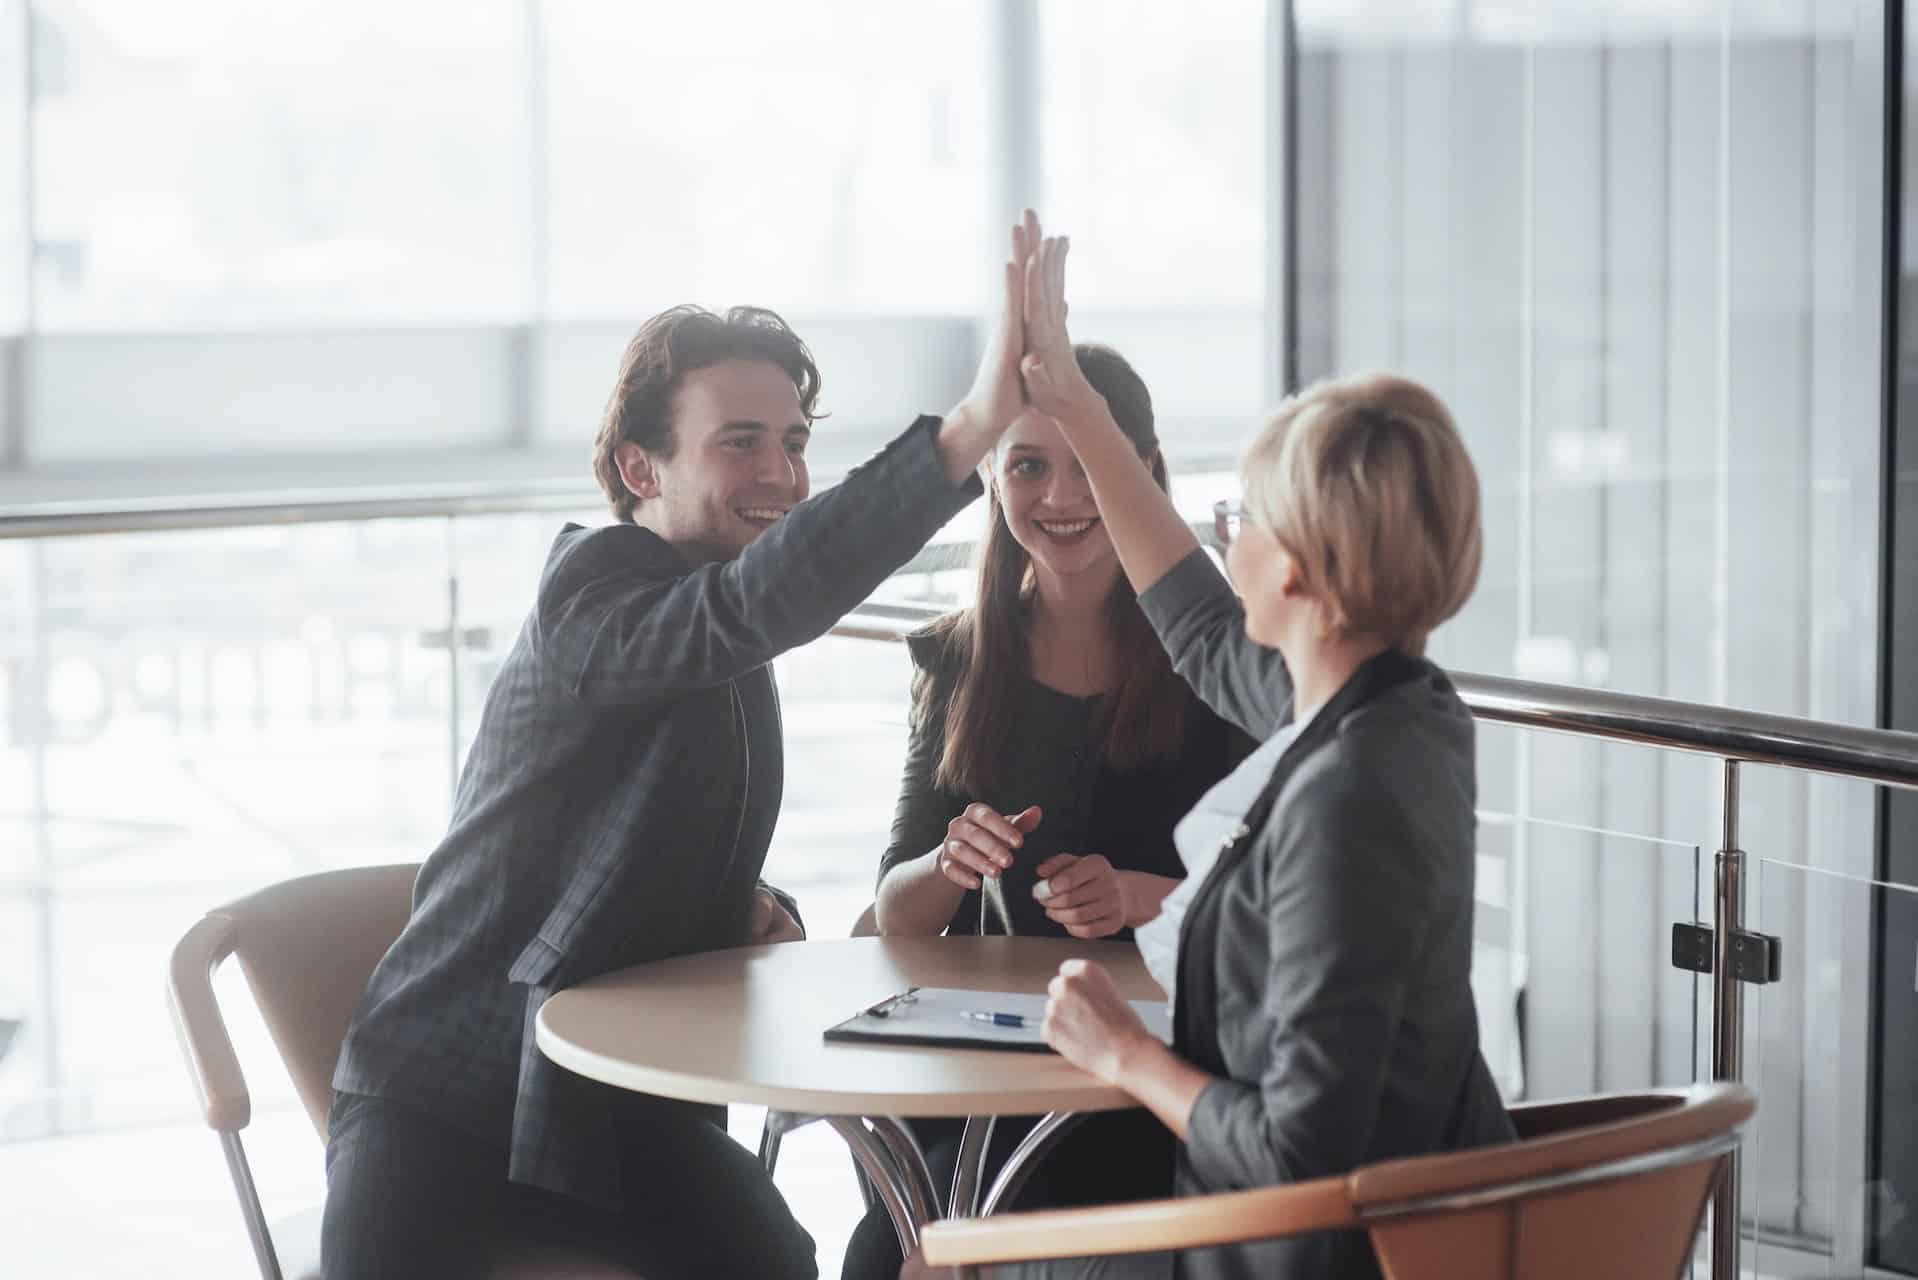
x: 597, y: 822
x: 1341, y: 963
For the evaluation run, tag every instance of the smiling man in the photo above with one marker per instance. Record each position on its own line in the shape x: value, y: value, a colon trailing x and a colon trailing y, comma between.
x: 616, y: 808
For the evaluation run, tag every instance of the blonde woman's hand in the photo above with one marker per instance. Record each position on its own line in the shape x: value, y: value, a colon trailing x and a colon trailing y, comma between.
x: 981, y: 842
x: 1054, y: 383
x: 1090, y: 1023
x: 1085, y: 894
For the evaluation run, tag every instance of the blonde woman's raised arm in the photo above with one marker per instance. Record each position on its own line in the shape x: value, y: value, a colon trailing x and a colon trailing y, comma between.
x: 1198, y: 618
x: 1146, y: 530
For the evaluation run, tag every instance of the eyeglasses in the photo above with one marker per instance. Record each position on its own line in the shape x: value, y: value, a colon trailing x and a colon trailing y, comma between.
x: 1228, y: 518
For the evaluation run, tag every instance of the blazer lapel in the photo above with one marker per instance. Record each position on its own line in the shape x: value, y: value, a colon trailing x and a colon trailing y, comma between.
x: 1196, y: 997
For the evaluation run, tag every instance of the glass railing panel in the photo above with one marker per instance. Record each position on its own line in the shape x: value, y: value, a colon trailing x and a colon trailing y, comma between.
x: 20, y: 855
x: 190, y: 716
x: 845, y: 705
x: 1605, y: 849
x: 1572, y: 965
x: 497, y: 561
x: 1828, y: 1185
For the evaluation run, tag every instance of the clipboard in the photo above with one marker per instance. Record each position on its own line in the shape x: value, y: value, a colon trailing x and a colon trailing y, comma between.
x: 935, y: 1017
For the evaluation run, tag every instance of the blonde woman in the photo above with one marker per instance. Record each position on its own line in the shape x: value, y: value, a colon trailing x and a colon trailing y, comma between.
x: 1319, y: 948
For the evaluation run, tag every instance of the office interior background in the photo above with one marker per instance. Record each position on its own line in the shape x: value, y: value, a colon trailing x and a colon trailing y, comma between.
x: 308, y: 312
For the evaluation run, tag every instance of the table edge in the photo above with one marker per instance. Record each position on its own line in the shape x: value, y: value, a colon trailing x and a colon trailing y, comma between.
x: 688, y: 1087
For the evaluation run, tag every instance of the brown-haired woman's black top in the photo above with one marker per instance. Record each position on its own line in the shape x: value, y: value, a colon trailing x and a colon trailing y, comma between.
x: 1053, y: 760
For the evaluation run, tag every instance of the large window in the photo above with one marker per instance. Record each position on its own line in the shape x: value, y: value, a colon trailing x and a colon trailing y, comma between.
x: 825, y: 157
x: 409, y: 242
x: 1154, y: 157
x: 13, y: 169
x: 1635, y: 247
x: 222, y: 164
x: 1154, y: 137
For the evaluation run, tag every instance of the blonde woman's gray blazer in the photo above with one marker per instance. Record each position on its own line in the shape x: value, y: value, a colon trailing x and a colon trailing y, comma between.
x: 1332, y: 953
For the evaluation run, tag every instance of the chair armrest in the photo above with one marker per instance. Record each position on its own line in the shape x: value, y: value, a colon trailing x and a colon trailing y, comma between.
x: 196, y: 1016
x: 1542, y: 1119
x: 1708, y: 1111
x: 1184, y: 1222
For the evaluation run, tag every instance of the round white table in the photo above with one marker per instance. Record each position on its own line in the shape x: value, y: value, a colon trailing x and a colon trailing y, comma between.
x: 747, y: 1026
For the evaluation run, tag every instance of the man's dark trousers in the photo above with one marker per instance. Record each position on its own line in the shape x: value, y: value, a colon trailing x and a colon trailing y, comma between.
x: 413, y: 1189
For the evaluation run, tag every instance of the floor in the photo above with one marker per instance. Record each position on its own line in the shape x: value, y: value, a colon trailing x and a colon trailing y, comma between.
x: 157, y: 1202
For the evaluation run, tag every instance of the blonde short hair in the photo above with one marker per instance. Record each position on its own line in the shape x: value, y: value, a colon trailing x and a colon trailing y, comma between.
x: 1367, y: 485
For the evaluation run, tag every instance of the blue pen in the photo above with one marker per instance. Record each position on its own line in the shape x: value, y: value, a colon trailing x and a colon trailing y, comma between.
x: 996, y: 1019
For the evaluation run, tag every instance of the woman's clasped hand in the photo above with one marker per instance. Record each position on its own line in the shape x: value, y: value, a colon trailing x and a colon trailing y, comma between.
x: 981, y: 843
x: 1084, y: 894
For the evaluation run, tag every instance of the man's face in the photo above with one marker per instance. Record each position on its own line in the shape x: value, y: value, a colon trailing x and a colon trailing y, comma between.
x: 739, y: 461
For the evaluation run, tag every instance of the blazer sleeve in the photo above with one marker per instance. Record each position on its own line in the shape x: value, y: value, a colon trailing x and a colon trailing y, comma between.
x: 920, y: 814
x: 630, y: 638
x: 1348, y: 910
x: 1202, y: 626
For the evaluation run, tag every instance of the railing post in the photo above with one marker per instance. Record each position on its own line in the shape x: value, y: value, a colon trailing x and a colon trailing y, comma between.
x: 1728, y: 1019
x: 453, y: 633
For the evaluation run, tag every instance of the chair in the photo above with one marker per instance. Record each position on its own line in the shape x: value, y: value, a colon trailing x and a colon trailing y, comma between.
x: 307, y: 947
x: 1595, y: 1189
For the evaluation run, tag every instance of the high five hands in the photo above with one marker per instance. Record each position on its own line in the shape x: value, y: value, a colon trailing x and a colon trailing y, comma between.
x: 1028, y: 359
x: 1054, y: 384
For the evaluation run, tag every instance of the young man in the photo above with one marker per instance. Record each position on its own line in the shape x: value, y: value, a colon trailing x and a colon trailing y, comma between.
x: 616, y: 808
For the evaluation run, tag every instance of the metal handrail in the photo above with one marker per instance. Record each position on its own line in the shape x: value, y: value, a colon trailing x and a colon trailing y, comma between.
x: 257, y: 508
x: 83, y: 517
x: 293, y: 506
x: 1726, y: 733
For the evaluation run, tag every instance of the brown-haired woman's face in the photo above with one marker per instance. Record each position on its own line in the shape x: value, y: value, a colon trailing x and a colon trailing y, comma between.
x: 1047, y: 501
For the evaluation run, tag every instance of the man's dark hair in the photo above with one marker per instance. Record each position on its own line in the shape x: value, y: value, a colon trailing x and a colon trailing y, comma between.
x: 668, y: 347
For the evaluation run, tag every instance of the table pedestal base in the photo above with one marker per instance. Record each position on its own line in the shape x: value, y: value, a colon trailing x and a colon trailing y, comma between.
x: 895, y: 1165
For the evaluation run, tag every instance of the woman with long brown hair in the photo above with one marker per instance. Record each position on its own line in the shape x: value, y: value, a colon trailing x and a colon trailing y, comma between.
x: 1053, y: 750
x: 1053, y: 747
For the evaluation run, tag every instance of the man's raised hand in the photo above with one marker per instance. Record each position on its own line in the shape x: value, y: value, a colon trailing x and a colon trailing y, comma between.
x: 997, y: 395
